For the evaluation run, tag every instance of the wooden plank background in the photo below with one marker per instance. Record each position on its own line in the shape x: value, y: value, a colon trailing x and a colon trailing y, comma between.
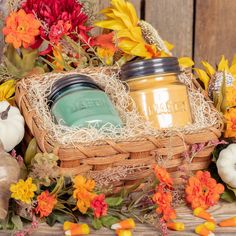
x: 202, y: 29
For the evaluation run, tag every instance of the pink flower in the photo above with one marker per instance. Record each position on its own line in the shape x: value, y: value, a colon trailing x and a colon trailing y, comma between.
x: 99, y: 206
x: 58, y: 30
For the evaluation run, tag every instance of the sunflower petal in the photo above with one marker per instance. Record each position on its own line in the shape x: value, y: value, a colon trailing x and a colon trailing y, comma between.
x: 140, y: 51
x: 209, y: 69
x: 106, y: 10
x: 134, y: 34
x: 186, y: 62
x: 234, y: 60
x: 203, y: 77
x: 169, y: 45
x: 233, y: 70
x: 133, y: 14
x: 110, y: 24
x: 123, y: 17
x: 223, y: 65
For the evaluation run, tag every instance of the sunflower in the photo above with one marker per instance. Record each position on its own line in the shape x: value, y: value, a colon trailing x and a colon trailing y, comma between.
x: 122, y: 18
x: 223, y: 67
x: 120, y: 15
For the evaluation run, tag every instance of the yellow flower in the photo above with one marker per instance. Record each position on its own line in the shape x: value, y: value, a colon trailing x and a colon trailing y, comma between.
x: 7, y: 90
x: 120, y: 15
x: 230, y: 97
x: 81, y: 182
x: 230, y: 120
x: 223, y: 66
x: 122, y: 18
x: 186, y: 62
x: 59, y: 61
x: 203, y: 76
x: 106, y: 47
x: 106, y: 55
x: 23, y: 190
x: 83, y: 193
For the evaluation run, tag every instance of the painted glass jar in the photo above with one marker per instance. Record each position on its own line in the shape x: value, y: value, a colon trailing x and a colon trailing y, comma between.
x: 159, y: 96
x: 77, y: 101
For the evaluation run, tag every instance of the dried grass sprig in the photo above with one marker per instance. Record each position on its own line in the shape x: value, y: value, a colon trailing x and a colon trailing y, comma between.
x: 152, y: 36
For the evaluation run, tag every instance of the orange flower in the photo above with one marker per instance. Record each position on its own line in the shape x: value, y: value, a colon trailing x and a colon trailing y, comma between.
x: 202, y: 190
x: 163, y: 176
x: 81, y: 182
x: 230, y: 120
x: 106, y: 47
x: 21, y: 29
x: 106, y: 41
x: 83, y: 193
x: 58, y: 58
x: 84, y: 199
x: 163, y: 199
x: 46, y: 203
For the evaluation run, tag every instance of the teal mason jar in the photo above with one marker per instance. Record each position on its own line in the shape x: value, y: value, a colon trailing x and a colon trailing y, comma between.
x: 77, y: 101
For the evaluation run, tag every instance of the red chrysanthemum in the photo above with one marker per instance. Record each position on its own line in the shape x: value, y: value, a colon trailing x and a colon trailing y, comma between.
x: 99, y: 206
x: 57, y: 15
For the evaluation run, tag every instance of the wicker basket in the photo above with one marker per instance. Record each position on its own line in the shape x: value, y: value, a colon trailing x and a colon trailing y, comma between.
x: 97, y: 158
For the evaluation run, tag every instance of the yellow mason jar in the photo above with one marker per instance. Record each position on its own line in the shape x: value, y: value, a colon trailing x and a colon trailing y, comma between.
x: 159, y: 96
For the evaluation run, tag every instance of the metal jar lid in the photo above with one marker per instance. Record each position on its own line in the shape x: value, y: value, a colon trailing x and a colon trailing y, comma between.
x: 147, y: 67
x: 70, y: 80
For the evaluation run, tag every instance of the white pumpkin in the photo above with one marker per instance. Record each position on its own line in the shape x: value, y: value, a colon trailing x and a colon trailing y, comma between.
x: 226, y: 165
x: 11, y: 126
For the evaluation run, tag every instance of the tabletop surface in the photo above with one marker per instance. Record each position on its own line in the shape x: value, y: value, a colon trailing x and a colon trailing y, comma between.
x: 219, y: 212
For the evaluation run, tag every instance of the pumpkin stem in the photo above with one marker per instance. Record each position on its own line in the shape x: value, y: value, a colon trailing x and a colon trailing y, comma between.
x: 4, y: 114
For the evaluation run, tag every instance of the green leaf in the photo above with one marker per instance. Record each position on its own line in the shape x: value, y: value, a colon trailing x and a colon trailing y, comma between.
x: 19, y: 62
x: 108, y: 221
x: 232, y: 189
x: 51, y: 219
x: 71, y: 201
x: 31, y: 151
x: 16, y: 220
x: 97, y: 224
x: 114, y: 201
x: 62, y: 217
x: 228, y: 196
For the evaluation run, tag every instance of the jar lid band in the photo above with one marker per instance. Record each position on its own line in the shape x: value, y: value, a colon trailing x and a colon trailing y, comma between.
x: 69, y: 80
x: 150, y: 66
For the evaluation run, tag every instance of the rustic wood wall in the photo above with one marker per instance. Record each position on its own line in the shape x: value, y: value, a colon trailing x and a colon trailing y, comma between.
x: 202, y: 29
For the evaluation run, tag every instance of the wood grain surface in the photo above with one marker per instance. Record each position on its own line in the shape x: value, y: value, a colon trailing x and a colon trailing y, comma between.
x: 174, y: 21
x: 219, y: 212
x: 215, y: 32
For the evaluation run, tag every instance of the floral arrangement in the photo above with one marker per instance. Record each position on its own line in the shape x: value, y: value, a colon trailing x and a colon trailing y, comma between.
x: 46, y: 196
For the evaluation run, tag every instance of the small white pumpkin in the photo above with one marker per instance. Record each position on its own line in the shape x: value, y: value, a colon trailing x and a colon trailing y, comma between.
x: 11, y: 126
x: 226, y: 165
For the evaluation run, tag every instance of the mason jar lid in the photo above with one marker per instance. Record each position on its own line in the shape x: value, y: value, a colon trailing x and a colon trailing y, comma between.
x: 150, y: 67
x: 70, y: 80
